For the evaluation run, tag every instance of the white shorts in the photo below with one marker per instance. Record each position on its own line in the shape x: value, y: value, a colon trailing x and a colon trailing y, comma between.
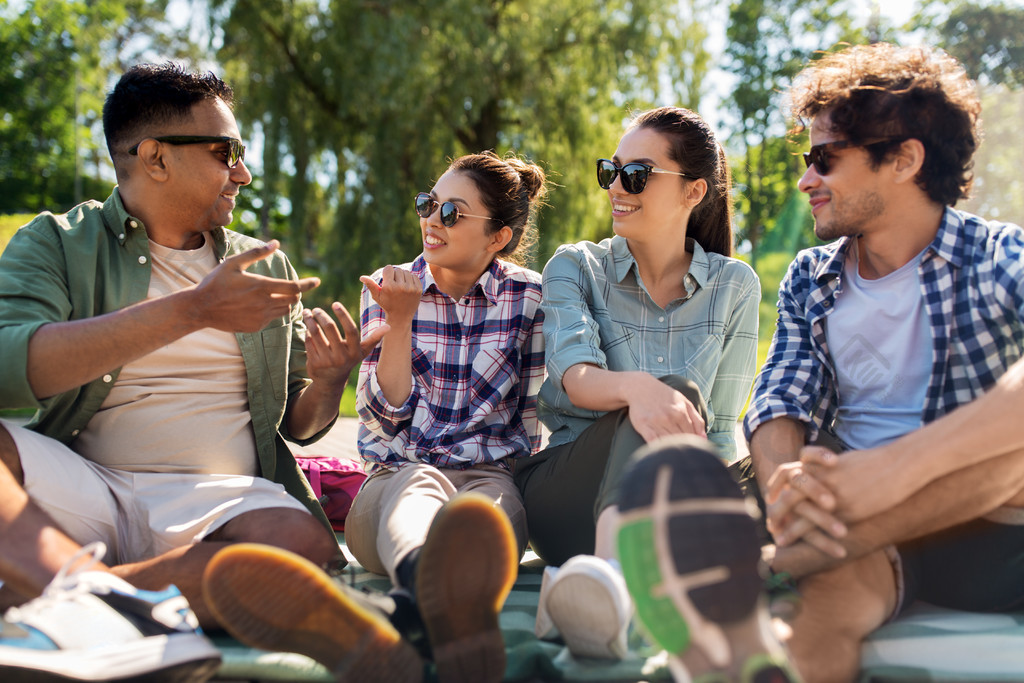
x: 138, y: 515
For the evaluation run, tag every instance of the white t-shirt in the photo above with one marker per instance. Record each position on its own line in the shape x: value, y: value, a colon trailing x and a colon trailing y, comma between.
x: 881, y: 345
x: 181, y: 408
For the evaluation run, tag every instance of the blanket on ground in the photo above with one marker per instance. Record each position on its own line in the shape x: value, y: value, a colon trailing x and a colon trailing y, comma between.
x: 925, y: 644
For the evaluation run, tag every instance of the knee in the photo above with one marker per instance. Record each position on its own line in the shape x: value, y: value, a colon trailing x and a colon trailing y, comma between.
x: 9, y: 458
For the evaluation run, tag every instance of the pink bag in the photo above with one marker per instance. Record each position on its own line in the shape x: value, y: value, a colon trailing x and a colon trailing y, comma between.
x: 335, y: 482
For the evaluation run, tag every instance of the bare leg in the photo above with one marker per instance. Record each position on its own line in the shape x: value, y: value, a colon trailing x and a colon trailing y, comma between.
x: 34, y: 549
x: 957, y: 498
x: 607, y: 526
x: 286, y: 528
x: 838, y: 609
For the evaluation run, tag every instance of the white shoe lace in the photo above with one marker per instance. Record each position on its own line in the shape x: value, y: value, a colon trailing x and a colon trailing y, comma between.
x: 64, y: 586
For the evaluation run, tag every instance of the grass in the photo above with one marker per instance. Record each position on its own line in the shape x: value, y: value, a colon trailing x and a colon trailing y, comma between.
x: 9, y: 224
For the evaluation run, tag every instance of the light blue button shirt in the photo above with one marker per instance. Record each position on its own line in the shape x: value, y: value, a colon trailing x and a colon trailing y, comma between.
x: 598, y: 311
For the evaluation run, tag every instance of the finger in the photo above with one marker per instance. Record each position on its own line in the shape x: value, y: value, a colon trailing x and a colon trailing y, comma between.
x: 818, y: 455
x: 825, y: 543
x: 251, y: 256
x: 813, y: 489
x: 314, y: 335
x: 822, y: 519
x: 372, y: 287
x: 348, y: 325
x: 696, y: 420
x: 327, y: 327
x: 276, y: 285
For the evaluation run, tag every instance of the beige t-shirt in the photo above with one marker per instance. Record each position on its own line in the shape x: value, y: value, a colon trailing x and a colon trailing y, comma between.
x: 181, y: 408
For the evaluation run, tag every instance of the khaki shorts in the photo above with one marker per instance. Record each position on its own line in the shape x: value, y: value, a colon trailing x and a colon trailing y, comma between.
x: 138, y: 515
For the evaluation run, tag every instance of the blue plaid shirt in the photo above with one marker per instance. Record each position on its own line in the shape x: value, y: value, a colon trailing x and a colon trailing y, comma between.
x: 972, y: 281
x: 477, y: 365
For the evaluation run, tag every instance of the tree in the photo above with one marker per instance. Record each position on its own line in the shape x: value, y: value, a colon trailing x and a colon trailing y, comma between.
x: 769, y: 41
x: 377, y: 95
x: 56, y: 63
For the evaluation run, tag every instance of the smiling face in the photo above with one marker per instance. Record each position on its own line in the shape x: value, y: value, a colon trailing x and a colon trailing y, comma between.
x: 204, y: 187
x: 848, y: 200
x: 466, y: 249
x: 662, y: 210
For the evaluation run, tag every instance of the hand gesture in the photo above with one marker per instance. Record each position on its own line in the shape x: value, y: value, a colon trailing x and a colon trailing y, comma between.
x: 233, y: 300
x: 658, y: 410
x: 331, y: 354
x: 801, y: 507
x: 398, y: 293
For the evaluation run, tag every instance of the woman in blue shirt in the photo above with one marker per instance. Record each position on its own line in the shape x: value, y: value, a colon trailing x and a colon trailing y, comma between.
x: 649, y: 333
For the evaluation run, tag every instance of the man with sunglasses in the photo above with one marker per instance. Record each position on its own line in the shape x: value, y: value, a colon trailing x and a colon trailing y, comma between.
x: 167, y: 357
x: 884, y: 427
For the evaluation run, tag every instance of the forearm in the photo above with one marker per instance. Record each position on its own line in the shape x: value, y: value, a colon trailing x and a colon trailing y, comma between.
x: 593, y: 388
x: 774, y: 443
x: 66, y: 355
x: 394, y: 367
x: 315, y: 407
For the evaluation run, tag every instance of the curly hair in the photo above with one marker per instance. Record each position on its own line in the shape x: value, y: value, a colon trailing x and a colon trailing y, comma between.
x: 887, y: 91
x: 692, y: 145
x: 510, y: 188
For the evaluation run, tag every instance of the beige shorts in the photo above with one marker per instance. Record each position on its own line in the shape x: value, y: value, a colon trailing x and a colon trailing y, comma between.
x: 138, y: 515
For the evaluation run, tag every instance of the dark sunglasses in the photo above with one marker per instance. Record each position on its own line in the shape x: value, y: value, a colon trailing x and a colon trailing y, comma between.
x: 633, y: 175
x: 236, y: 150
x: 819, y: 154
x: 450, y: 214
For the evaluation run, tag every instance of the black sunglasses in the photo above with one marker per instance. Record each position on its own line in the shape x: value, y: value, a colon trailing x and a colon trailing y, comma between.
x: 632, y: 175
x: 819, y: 154
x: 450, y: 214
x: 236, y: 150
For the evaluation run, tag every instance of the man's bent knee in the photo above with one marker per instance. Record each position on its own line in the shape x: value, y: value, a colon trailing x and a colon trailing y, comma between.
x: 287, y: 528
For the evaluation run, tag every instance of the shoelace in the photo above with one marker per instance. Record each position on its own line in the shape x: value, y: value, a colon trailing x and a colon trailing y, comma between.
x: 60, y: 588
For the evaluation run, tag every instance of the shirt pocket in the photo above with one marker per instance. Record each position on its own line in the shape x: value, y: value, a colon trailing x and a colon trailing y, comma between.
x: 701, y: 358
x: 495, y: 372
x: 276, y: 342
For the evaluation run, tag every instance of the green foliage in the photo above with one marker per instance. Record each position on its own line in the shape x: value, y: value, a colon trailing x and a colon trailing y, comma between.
x: 985, y: 37
x: 9, y: 224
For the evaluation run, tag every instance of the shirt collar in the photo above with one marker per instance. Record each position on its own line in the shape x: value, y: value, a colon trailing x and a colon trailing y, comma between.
x: 489, y: 283
x: 947, y: 244
x: 123, y: 225
x: 700, y: 263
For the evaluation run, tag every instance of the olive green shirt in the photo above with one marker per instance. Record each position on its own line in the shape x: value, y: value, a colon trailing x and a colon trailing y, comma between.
x: 94, y: 260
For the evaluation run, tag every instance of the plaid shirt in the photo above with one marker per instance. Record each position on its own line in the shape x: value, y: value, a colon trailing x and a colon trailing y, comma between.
x: 598, y: 311
x: 477, y: 365
x: 972, y: 281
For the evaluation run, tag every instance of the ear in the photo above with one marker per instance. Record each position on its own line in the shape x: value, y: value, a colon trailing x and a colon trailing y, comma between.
x: 151, y: 160
x: 499, y: 239
x: 695, y: 192
x: 907, y: 160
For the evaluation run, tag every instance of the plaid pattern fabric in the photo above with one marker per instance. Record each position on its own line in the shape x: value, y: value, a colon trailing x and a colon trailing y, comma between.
x: 477, y: 365
x: 972, y: 281
x: 598, y: 311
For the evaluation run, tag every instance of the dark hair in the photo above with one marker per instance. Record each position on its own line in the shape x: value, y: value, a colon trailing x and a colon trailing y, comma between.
x: 509, y: 188
x: 693, y: 146
x: 882, y: 90
x: 149, y: 95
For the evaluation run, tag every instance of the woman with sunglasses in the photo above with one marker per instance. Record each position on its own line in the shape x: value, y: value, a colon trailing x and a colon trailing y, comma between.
x: 445, y: 402
x: 650, y: 333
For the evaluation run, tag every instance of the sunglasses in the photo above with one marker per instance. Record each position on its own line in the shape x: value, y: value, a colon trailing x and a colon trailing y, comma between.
x: 236, y: 150
x: 820, y: 154
x: 633, y: 175
x: 450, y: 214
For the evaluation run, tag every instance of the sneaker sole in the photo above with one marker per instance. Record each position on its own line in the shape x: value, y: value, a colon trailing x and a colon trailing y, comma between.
x: 690, y: 553
x: 587, y: 617
x: 180, y: 658
x: 273, y: 599
x: 464, y: 573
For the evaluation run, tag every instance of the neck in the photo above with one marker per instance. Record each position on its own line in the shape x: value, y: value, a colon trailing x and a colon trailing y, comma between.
x: 905, y: 235
x: 662, y: 269
x: 159, y: 221
x: 455, y: 284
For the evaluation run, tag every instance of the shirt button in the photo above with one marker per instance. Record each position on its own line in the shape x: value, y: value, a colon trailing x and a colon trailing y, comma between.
x: 133, y: 224
x: 142, y: 259
x: 121, y: 236
x: 661, y: 359
x: 661, y: 318
x: 76, y: 432
x: 826, y: 304
x: 107, y: 378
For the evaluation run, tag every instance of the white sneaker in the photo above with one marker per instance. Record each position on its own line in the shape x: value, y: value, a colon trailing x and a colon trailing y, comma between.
x: 92, y: 626
x: 587, y: 603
